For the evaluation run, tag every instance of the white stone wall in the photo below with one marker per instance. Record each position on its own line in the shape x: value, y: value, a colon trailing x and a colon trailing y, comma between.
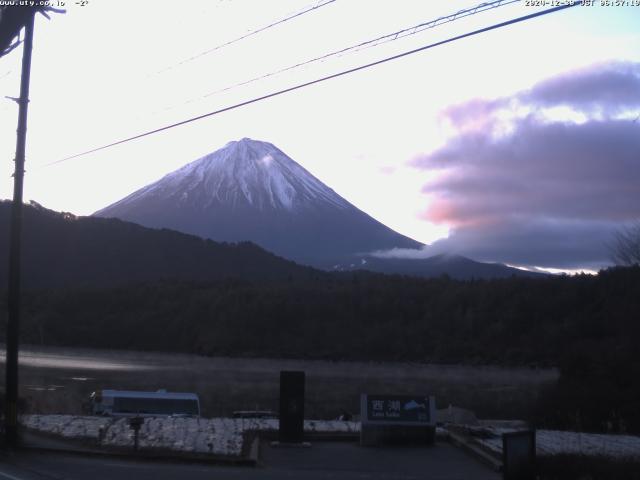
x: 216, y: 436
x: 554, y: 442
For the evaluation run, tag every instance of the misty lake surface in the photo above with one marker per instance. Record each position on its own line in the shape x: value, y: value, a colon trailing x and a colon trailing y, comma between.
x: 59, y: 380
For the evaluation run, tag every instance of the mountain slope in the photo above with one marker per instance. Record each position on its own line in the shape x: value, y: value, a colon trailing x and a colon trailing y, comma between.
x: 62, y: 250
x: 251, y: 190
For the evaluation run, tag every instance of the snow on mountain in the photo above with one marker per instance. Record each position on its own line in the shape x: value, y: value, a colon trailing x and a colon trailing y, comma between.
x: 243, y: 172
x: 251, y: 190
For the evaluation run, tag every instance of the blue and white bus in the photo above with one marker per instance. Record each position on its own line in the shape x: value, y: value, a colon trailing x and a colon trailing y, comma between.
x: 127, y: 403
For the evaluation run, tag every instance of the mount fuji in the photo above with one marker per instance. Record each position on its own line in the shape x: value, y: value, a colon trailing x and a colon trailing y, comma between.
x: 251, y: 190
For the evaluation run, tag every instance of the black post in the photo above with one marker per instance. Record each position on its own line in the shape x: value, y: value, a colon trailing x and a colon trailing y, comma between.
x: 291, y: 429
x: 13, y: 325
x: 519, y: 455
x: 135, y: 423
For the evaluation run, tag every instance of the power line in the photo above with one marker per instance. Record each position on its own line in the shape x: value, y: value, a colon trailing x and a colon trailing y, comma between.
x: 307, y: 9
x: 322, y: 79
x: 390, y: 37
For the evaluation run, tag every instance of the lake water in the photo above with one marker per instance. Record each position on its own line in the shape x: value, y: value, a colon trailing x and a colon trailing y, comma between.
x: 59, y: 380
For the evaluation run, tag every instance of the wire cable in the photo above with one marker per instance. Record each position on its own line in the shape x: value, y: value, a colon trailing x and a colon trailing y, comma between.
x: 307, y: 9
x: 357, y: 47
x: 390, y: 37
x: 322, y: 79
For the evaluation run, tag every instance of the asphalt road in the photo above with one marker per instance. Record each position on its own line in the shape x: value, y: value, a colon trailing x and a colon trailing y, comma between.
x: 323, y: 460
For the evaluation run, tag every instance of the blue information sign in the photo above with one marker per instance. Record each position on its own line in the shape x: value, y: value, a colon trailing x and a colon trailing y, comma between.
x: 398, y: 409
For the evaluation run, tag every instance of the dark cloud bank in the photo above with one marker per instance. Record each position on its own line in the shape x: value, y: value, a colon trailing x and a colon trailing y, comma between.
x: 543, y: 192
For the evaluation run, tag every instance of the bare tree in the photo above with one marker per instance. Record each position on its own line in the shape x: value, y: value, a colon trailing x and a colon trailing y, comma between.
x: 625, y: 248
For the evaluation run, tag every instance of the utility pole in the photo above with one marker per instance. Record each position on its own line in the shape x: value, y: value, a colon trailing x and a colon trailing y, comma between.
x: 13, y: 325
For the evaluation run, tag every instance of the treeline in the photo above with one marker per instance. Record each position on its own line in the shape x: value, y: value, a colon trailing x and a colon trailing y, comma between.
x: 353, y: 316
x: 587, y: 325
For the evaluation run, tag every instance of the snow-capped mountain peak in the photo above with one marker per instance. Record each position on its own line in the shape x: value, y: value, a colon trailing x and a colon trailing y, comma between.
x: 244, y: 172
x: 251, y: 190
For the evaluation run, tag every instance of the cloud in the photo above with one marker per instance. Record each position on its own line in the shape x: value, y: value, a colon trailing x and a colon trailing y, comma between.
x: 589, y: 171
x: 607, y: 88
x: 524, y: 183
x: 475, y: 114
x: 534, y: 243
x: 409, y: 253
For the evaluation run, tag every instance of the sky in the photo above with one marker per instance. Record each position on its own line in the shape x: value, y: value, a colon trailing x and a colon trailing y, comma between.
x: 519, y: 145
